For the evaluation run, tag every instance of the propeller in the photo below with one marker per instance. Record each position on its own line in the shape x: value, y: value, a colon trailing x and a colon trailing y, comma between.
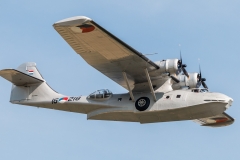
x: 175, y: 79
x: 182, y: 66
x: 201, y: 80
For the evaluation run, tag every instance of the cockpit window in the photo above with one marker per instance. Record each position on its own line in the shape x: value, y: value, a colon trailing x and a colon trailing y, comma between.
x: 204, y: 90
x: 101, y: 94
x: 195, y: 90
x: 200, y: 90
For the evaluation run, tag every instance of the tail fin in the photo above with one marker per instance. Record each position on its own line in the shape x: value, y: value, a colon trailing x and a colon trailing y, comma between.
x: 28, y: 84
x: 30, y: 69
x: 25, y: 74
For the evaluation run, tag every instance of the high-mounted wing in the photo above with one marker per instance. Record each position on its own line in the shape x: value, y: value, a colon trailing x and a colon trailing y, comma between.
x: 107, y: 53
x: 216, y: 121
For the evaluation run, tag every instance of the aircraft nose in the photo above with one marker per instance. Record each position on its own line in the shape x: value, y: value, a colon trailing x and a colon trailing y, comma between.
x: 229, y: 100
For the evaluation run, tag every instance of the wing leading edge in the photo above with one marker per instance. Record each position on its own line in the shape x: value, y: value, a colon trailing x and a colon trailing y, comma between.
x: 106, y: 53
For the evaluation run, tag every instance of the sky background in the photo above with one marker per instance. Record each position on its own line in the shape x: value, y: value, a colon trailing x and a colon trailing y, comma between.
x: 206, y: 30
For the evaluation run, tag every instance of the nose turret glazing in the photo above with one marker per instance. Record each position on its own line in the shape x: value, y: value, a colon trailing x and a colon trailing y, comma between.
x: 230, y: 101
x: 226, y: 99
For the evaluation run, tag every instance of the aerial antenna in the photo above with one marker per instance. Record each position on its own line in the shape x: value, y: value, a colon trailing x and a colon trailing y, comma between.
x: 149, y: 54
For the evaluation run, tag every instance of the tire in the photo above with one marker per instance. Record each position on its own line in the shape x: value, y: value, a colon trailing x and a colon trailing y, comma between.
x: 142, y: 103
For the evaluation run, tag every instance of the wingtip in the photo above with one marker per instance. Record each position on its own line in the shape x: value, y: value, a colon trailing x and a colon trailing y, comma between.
x: 72, y: 21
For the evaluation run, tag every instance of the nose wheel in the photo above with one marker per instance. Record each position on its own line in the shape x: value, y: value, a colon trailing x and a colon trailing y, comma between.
x: 142, y: 103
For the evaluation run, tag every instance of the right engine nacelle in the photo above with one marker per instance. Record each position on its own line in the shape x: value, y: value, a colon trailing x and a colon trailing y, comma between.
x: 191, y: 82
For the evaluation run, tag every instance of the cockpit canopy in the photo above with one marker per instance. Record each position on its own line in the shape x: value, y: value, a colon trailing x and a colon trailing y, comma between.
x: 201, y: 90
x: 102, y: 94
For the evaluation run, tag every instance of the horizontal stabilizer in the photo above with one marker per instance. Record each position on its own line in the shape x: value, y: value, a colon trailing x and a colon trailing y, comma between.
x: 19, y: 78
x: 216, y: 121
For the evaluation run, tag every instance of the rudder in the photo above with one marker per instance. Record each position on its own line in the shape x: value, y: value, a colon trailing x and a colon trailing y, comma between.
x: 28, y: 84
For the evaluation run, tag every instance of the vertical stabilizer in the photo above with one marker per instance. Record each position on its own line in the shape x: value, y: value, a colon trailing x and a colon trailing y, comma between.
x: 28, y: 84
x: 30, y: 69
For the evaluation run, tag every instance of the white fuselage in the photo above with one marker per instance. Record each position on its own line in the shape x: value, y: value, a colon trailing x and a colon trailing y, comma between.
x: 171, y: 106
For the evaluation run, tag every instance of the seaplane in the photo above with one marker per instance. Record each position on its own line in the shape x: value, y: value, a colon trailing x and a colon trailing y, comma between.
x: 161, y: 91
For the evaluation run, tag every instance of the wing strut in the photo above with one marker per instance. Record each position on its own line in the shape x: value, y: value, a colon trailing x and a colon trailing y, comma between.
x: 150, y: 85
x: 129, y: 89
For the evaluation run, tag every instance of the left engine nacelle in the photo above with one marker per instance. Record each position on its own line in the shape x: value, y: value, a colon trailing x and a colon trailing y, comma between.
x: 191, y: 82
x: 168, y: 66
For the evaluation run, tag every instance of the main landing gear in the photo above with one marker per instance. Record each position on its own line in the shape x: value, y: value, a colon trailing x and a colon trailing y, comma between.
x: 142, y: 103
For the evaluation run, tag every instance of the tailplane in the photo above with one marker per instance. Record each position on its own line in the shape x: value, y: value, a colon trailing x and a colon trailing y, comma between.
x: 28, y: 84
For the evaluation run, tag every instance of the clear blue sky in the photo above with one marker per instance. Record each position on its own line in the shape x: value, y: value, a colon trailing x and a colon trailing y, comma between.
x: 208, y: 30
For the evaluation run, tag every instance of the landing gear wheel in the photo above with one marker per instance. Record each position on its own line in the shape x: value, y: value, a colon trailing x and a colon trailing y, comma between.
x: 142, y: 103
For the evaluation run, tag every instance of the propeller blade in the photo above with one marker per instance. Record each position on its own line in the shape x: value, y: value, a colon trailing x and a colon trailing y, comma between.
x: 178, y: 71
x: 185, y: 72
x: 200, y: 73
x: 204, y: 85
x: 180, y: 55
x: 180, y: 61
x: 199, y: 83
x: 203, y: 79
x: 175, y: 79
x: 182, y: 66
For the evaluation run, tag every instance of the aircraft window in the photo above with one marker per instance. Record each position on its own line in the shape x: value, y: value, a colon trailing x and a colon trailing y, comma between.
x: 213, y: 100
x: 107, y: 93
x: 92, y: 96
x: 168, y: 97
x: 178, y: 96
x: 196, y: 90
x: 100, y: 94
x: 204, y: 90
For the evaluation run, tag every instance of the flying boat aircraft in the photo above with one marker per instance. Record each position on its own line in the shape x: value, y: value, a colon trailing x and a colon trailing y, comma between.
x: 159, y: 91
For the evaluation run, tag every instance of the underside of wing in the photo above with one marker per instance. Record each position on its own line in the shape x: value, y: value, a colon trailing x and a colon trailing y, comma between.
x: 107, y: 53
x: 216, y: 121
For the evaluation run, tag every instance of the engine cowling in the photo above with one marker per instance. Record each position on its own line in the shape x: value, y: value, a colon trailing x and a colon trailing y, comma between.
x: 168, y: 66
x: 191, y: 82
